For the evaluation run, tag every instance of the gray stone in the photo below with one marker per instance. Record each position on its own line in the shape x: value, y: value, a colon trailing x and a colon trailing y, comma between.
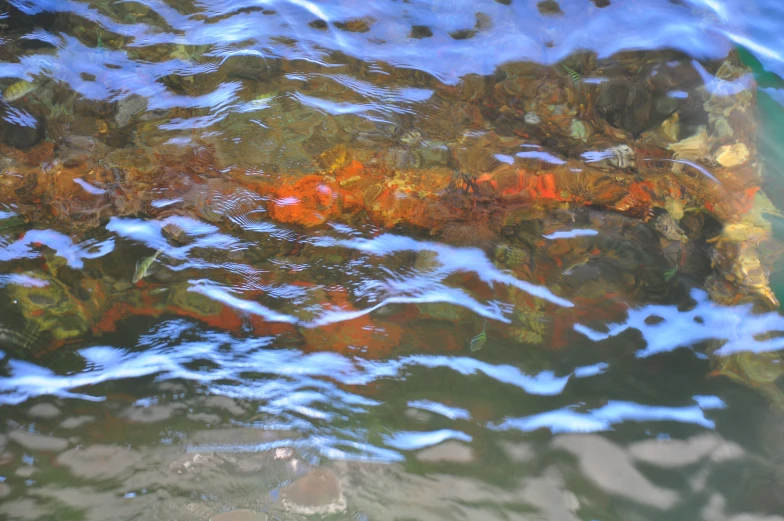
x: 76, y: 421
x: 43, y: 410
x: 127, y: 108
x: 449, y: 451
x: 99, y: 461
x: 25, y: 472
x: 239, y: 515
x: 42, y: 442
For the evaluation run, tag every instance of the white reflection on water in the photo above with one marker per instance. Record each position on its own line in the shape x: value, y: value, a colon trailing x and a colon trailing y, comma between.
x: 738, y: 327
x: 603, y: 418
x: 453, y: 259
x: 394, y: 288
x: 168, y: 358
x: 453, y: 413
x: 64, y: 246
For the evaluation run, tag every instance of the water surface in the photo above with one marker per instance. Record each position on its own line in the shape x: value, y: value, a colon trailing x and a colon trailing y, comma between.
x: 391, y: 260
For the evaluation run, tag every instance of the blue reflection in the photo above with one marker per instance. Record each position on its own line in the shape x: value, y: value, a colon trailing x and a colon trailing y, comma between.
x: 570, y: 234
x: 542, y: 156
x: 417, y: 287
x: 168, y: 357
x: 603, y: 418
x: 420, y: 440
x: 514, y: 32
x: 738, y: 327
x: 74, y: 254
x: 452, y: 259
x: 453, y: 413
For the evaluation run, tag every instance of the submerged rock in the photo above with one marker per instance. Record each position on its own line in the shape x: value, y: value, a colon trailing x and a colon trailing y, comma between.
x: 44, y: 410
x: 239, y: 515
x: 99, y: 461
x: 20, y: 129
x: 317, y: 492
x: 36, y: 442
x: 127, y: 108
x: 731, y: 155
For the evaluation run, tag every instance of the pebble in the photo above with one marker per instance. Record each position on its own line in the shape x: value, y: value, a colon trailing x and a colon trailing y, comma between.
x: 127, y: 108
x: 23, y: 509
x: 732, y: 155
x: 32, y: 441
x: 43, y: 410
x: 317, y: 492
x: 99, y: 461
x: 532, y: 119
x: 25, y: 472
x: 239, y: 515
x: 151, y: 414
x: 450, y: 451
x: 204, y: 417
x: 75, y: 422
x: 225, y: 403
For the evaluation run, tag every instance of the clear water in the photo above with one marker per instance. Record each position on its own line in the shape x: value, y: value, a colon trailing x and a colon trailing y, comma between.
x: 391, y: 260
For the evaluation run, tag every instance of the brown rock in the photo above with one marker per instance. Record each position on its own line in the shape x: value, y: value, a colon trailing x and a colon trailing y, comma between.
x: 318, y: 491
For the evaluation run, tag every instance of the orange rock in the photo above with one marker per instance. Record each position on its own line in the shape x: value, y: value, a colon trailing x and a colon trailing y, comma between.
x: 120, y: 311
x: 361, y: 335
x: 350, y: 172
x: 309, y: 202
x: 35, y: 156
x: 638, y: 198
x: 226, y: 319
x: 536, y: 187
x: 588, y: 187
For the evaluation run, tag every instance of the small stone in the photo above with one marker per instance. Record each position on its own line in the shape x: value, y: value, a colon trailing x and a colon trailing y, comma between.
x: 23, y: 509
x: 671, y: 127
x: 43, y: 410
x: 127, y: 108
x: 239, y: 515
x: 195, y: 462
x: 32, y: 441
x: 99, y: 461
x: 4, y: 490
x: 549, y: 7
x: 450, y: 451
x: 692, y: 148
x: 6, y: 458
x: 731, y: 155
x: 531, y: 119
x: 722, y: 129
x: 205, y: 417
x: 317, y: 492
x: 519, y: 452
x: 674, y: 207
x: 418, y: 415
x: 225, y: 403
x: 152, y: 413
x: 283, y: 453
x: 75, y: 422
x: 249, y: 464
x: 579, y: 130
x: 25, y: 472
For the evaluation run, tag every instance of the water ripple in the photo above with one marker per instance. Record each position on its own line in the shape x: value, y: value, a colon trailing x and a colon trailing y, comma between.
x: 737, y: 327
x: 603, y: 418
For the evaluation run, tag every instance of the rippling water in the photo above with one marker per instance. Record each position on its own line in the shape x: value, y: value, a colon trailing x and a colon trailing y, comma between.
x: 440, y: 259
